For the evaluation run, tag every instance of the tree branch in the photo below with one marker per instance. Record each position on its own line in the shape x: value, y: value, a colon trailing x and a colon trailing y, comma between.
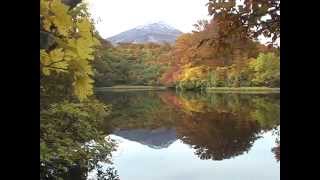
x: 56, y: 68
x: 55, y: 63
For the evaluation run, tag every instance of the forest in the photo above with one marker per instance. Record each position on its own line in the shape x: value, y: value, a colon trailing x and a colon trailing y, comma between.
x: 189, y: 64
x: 75, y: 59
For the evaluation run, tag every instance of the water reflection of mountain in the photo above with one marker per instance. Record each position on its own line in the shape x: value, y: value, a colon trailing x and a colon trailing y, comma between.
x: 153, y: 138
x: 216, y: 126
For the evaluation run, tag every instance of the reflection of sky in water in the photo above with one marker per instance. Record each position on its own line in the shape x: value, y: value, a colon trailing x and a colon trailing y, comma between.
x: 147, y: 129
x: 135, y: 161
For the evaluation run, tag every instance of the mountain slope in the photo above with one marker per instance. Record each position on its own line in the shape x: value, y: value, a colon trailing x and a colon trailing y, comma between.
x: 156, y: 138
x: 155, y: 32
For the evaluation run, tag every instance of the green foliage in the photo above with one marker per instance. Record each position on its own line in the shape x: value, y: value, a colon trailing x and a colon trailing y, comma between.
x: 266, y: 70
x: 238, y: 77
x: 267, y: 113
x: 143, y: 110
x: 109, y: 174
x: 130, y: 64
x: 70, y: 118
x: 70, y: 135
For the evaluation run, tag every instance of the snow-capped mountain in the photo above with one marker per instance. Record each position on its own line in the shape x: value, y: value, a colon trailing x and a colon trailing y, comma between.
x: 158, y: 32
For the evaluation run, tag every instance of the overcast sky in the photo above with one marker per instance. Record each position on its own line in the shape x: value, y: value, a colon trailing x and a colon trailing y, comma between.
x: 115, y: 16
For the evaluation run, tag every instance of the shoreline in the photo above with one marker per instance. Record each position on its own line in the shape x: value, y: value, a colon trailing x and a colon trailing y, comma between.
x: 128, y: 88
x: 210, y: 89
x: 243, y: 90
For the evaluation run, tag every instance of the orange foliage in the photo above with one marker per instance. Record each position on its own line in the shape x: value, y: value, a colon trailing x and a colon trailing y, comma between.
x: 171, y: 99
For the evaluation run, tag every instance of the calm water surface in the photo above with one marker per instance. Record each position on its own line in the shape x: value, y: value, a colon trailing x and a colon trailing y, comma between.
x: 164, y: 135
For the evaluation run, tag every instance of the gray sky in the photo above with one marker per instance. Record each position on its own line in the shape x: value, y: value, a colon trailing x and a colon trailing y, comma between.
x: 115, y: 16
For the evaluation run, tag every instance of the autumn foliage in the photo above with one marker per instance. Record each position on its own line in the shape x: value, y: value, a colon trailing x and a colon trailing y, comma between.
x: 204, y: 59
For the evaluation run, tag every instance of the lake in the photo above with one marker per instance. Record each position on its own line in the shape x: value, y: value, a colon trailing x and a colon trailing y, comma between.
x: 168, y: 135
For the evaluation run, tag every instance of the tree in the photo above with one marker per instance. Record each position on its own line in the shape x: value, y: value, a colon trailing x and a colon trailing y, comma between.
x: 70, y: 137
x: 255, y: 17
x: 71, y: 3
x: 70, y: 117
x: 267, y: 70
x: 225, y: 54
x: 72, y: 44
x: 193, y: 77
x: 135, y: 64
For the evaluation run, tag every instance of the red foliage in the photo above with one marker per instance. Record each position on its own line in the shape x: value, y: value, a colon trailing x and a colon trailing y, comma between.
x: 171, y: 99
x: 170, y: 77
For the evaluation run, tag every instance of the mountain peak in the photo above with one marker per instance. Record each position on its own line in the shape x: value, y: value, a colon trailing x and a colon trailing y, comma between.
x: 160, y: 24
x: 156, y: 32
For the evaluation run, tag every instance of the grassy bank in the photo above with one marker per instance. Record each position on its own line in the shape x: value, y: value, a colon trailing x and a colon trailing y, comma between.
x: 244, y: 89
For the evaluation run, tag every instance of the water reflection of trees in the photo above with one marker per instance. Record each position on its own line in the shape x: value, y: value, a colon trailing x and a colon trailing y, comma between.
x: 222, y: 126
x: 137, y: 110
x: 276, y: 149
x: 227, y: 124
x: 79, y: 173
x: 217, y: 126
x: 217, y: 135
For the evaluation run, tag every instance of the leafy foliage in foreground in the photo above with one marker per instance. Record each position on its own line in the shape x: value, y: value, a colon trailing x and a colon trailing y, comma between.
x: 70, y: 136
x: 72, y: 46
x: 71, y: 141
x: 251, y: 18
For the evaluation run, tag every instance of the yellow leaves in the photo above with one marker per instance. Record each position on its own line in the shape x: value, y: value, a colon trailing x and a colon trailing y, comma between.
x: 84, y: 27
x: 193, y: 77
x: 46, y: 24
x: 56, y: 55
x: 46, y: 71
x: 80, y: 67
x: 193, y: 73
x: 44, y: 7
x: 44, y: 60
x: 86, y: 42
x: 55, y: 13
x: 84, y: 48
x: 82, y: 82
x: 53, y: 61
x: 192, y: 105
x: 81, y: 48
x: 61, y: 19
x: 79, y: 55
x: 83, y: 87
x: 44, y: 57
x: 75, y: 45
